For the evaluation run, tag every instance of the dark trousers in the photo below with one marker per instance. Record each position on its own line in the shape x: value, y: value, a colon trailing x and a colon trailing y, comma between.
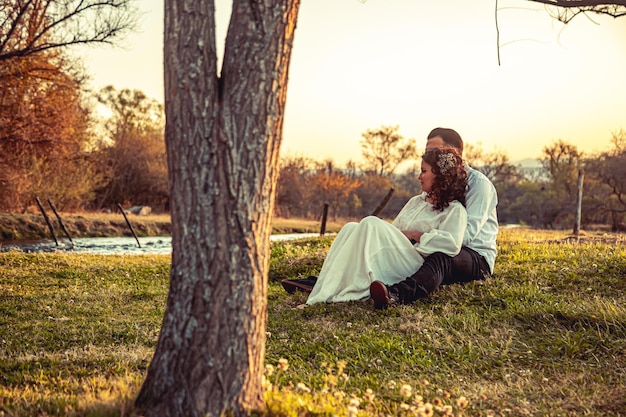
x: 440, y: 269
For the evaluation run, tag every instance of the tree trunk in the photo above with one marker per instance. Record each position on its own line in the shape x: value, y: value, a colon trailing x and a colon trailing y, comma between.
x: 223, y: 136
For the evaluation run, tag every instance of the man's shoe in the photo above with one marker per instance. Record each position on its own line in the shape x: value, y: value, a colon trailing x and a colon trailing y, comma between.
x: 300, y: 284
x: 381, y: 296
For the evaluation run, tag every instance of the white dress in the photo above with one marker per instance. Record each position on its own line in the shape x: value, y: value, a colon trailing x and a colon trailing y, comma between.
x: 374, y: 249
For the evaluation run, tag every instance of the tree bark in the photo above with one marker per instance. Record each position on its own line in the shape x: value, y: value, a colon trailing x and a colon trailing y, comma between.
x: 223, y: 136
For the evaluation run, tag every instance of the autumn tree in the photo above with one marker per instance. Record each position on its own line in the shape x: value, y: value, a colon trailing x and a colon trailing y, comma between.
x: 609, y: 169
x: 132, y: 153
x: 332, y: 186
x: 44, y: 132
x: 530, y: 204
x: 496, y: 165
x: 561, y: 161
x: 370, y: 191
x: 384, y: 149
x: 44, y: 121
x: 405, y: 186
x: 292, y: 192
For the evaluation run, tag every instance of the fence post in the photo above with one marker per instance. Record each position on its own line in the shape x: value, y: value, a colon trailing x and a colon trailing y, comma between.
x: 45, y: 216
x: 130, y: 226
x: 324, y: 217
x: 383, y: 203
x: 54, y: 209
x: 579, y: 202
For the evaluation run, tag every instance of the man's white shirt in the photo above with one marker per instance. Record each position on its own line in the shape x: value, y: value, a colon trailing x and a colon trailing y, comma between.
x: 482, y: 218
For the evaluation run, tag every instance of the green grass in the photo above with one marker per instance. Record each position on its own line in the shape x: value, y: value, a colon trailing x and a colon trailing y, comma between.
x: 545, y: 336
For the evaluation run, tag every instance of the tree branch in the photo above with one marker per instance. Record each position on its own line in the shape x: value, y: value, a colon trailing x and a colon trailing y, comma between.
x: 580, y: 3
x: 569, y: 9
x: 66, y: 23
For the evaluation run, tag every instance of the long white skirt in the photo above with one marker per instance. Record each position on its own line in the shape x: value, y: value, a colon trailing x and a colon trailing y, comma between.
x: 362, y: 253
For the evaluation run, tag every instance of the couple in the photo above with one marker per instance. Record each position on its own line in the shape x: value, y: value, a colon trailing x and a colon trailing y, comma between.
x: 447, y: 234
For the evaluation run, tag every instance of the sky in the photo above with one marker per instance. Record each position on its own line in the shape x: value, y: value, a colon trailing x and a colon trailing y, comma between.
x: 417, y: 64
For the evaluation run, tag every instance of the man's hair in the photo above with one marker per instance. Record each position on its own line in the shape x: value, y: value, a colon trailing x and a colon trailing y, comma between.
x: 449, y: 136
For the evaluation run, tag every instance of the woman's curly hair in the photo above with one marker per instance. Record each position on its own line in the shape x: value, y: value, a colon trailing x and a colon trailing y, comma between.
x: 450, y: 176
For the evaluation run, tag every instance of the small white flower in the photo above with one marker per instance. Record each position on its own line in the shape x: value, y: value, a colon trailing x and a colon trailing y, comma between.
x: 302, y: 387
x: 369, y: 395
x: 406, y: 391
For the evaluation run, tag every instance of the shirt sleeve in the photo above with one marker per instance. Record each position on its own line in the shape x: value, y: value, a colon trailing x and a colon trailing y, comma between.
x: 481, y: 201
x: 447, y: 237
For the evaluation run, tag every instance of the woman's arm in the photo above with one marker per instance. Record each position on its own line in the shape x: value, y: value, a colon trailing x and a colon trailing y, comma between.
x: 447, y: 236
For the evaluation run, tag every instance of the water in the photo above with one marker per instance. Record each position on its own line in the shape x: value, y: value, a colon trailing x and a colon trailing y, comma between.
x: 117, y: 245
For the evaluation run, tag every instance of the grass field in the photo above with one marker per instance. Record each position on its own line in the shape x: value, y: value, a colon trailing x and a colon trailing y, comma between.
x: 545, y: 336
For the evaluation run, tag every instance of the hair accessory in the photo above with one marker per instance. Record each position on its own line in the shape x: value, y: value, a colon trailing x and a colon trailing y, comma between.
x: 445, y: 161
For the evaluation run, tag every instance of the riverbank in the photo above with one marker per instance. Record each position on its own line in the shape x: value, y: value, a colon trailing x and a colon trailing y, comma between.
x: 33, y: 226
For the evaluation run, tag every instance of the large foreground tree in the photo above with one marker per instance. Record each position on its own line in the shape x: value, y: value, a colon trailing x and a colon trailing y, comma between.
x: 223, y: 133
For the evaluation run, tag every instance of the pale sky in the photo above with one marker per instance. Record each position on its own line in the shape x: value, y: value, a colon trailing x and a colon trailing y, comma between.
x: 421, y: 64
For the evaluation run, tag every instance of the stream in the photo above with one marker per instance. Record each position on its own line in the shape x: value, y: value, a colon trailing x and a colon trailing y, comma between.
x: 115, y: 245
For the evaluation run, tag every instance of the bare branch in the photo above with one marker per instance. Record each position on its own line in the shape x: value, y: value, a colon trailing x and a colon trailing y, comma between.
x: 566, y: 10
x: 38, y: 25
x: 497, y: 32
x: 580, y: 3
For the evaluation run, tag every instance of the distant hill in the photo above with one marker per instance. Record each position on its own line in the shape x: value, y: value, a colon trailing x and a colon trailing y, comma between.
x: 528, y: 163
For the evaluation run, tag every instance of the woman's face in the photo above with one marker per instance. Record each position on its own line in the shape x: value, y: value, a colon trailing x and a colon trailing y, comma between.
x: 427, y: 177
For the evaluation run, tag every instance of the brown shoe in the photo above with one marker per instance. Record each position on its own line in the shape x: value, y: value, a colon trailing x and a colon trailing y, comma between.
x: 301, y: 284
x: 380, y: 295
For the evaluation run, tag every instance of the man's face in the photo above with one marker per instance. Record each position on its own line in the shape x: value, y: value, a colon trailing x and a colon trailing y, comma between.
x: 435, y: 142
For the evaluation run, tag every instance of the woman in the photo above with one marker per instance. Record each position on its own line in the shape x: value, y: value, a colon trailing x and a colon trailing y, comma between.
x: 375, y: 250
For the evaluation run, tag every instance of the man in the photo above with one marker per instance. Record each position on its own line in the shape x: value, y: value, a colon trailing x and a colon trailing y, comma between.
x: 477, y: 256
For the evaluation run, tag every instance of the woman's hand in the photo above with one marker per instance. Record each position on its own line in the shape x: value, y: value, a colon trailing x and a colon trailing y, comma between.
x: 413, y: 235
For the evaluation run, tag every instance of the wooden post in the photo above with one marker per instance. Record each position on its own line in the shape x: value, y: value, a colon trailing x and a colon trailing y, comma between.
x: 324, y: 217
x: 130, y: 226
x: 45, y: 216
x: 579, y: 202
x: 56, y: 213
x: 383, y: 203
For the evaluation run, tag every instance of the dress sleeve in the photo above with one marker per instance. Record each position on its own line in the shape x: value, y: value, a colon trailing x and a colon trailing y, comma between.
x: 403, y: 216
x: 447, y: 237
